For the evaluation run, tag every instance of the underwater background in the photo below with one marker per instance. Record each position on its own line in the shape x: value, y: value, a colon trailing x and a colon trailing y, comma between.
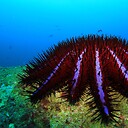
x: 29, y: 26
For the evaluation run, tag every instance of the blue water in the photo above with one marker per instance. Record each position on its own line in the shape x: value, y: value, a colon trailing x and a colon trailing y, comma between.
x: 29, y: 26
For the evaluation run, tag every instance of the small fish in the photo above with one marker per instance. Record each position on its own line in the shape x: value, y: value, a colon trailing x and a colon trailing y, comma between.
x: 99, y: 30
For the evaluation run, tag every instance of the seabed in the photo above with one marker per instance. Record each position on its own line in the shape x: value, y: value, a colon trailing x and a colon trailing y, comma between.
x: 16, y: 111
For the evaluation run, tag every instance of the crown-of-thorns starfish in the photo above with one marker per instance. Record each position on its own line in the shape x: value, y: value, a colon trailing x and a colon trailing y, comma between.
x: 94, y: 64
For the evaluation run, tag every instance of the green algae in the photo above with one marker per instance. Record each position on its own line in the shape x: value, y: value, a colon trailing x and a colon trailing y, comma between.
x: 16, y: 111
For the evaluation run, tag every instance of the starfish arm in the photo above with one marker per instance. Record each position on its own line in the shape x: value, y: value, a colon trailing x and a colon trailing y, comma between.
x: 79, y: 78
x: 40, y: 68
x: 99, y: 89
x: 55, y: 79
x: 119, y: 70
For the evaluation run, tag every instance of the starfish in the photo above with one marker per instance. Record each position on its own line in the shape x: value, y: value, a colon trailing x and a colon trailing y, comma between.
x: 92, y: 64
